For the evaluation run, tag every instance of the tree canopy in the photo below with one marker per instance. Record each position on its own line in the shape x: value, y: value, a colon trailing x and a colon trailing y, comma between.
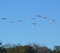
x: 28, y: 49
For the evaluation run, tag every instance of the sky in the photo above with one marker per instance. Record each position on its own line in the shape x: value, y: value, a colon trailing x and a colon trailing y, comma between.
x: 43, y: 33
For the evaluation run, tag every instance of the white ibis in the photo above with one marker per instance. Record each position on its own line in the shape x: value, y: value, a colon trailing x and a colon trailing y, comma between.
x: 52, y: 20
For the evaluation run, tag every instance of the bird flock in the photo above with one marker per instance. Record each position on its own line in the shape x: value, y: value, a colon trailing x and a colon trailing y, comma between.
x: 11, y: 21
x: 52, y: 20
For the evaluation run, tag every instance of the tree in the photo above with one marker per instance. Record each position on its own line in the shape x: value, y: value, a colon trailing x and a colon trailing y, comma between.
x: 43, y: 49
x: 56, y: 49
x: 2, y: 49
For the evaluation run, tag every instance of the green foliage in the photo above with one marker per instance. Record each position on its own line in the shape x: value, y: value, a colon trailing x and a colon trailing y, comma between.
x: 35, y: 48
x: 56, y: 49
x: 21, y: 49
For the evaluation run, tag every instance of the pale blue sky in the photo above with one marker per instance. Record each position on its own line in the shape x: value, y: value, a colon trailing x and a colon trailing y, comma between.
x: 44, y: 33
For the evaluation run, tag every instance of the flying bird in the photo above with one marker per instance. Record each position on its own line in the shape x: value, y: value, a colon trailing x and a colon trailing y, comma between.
x: 52, y: 20
x: 33, y: 18
x: 44, y: 17
x: 34, y: 23
x: 11, y: 21
x: 19, y: 20
x: 41, y: 16
x: 4, y: 18
x: 38, y: 16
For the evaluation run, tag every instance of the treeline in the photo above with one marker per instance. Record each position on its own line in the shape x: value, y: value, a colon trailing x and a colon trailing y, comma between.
x: 34, y: 48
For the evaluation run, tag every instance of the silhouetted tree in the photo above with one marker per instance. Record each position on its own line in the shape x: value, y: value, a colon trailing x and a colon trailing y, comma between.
x: 2, y: 49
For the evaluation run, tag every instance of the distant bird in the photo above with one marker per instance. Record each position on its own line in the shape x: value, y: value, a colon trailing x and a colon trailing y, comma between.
x: 19, y: 20
x: 38, y: 16
x: 4, y: 18
x: 44, y: 17
x: 41, y: 16
x: 34, y: 23
x: 52, y: 20
x: 33, y: 18
x: 11, y: 21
